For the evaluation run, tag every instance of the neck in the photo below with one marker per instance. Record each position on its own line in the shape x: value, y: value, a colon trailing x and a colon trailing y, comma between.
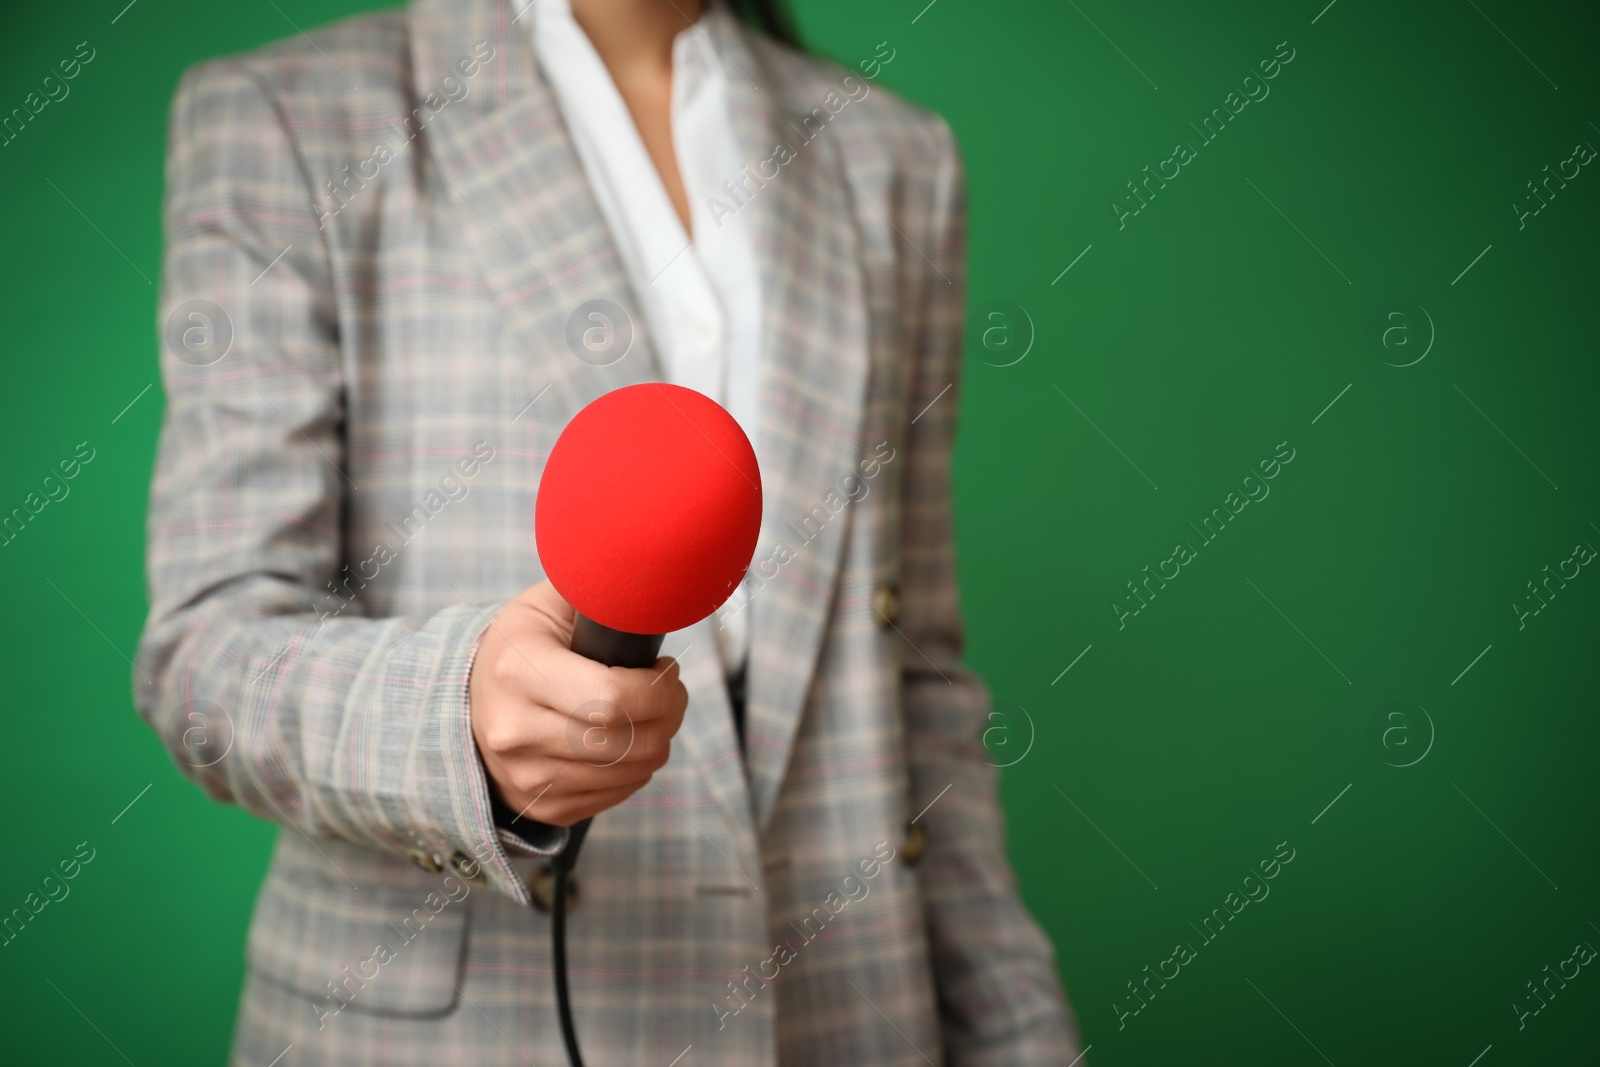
x: 632, y: 35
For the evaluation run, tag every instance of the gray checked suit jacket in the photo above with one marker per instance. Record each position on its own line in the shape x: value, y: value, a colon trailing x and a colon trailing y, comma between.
x: 378, y: 236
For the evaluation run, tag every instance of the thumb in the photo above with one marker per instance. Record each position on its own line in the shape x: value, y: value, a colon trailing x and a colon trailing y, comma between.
x: 549, y: 606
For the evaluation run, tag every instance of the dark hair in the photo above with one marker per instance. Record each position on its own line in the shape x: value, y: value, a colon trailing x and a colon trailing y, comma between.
x: 772, y: 18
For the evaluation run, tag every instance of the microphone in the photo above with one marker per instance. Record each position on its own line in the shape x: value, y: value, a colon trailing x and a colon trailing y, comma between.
x: 647, y: 517
x: 646, y: 520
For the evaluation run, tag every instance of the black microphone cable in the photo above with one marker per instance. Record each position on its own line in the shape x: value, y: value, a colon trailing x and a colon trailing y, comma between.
x: 562, y: 866
x: 614, y: 648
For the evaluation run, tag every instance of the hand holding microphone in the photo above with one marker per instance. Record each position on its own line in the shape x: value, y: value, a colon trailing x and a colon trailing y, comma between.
x: 647, y: 517
x: 563, y: 737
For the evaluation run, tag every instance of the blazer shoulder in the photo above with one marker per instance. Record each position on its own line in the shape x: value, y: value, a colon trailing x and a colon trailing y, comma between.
x: 877, y: 124
x: 346, y: 67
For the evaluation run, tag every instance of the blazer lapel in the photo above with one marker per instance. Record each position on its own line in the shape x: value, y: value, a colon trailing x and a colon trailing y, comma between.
x: 510, y: 172
x: 708, y: 736
x: 813, y: 385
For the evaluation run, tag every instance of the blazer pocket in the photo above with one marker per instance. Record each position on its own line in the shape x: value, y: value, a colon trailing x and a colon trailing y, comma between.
x: 384, y: 951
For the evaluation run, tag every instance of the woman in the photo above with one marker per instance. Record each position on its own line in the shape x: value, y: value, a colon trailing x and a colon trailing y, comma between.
x: 418, y: 242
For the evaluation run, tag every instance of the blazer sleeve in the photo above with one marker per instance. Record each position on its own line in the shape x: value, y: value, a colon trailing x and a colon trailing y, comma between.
x: 341, y: 727
x: 1000, y: 997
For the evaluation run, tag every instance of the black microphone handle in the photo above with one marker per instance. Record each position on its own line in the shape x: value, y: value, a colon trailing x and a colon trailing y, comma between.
x: 614, y: 648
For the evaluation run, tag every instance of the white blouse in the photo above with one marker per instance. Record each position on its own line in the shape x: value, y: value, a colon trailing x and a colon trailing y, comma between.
x: 701, y: 298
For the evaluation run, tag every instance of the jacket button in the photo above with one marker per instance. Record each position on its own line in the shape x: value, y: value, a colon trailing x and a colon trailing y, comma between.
x: 425, y: 860
x: 542, y: 887
x: 466, y: 866
x: 916, y: 840
x: 886, y: 605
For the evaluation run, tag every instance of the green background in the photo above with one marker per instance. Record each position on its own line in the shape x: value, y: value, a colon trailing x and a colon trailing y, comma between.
x: 1177, y: 751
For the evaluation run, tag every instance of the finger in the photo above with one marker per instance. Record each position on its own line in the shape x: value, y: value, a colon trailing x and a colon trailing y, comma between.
x: 537, y: 665
x: 553, y: 786
x: 530, y: 778
x: 583, y: 688
x: 566, y: 810
x: 546, y: 603
x: 598, y: 740
x: 666, y: 671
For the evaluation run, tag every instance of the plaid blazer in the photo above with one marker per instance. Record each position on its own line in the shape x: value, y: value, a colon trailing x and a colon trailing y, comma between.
x: 378, y: 242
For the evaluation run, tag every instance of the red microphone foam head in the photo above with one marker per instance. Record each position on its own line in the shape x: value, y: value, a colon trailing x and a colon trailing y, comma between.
x: 649, y: 509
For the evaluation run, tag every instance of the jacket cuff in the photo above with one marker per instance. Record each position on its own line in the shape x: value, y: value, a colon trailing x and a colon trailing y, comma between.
x: 526, y: 837
x: 479, y: 849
